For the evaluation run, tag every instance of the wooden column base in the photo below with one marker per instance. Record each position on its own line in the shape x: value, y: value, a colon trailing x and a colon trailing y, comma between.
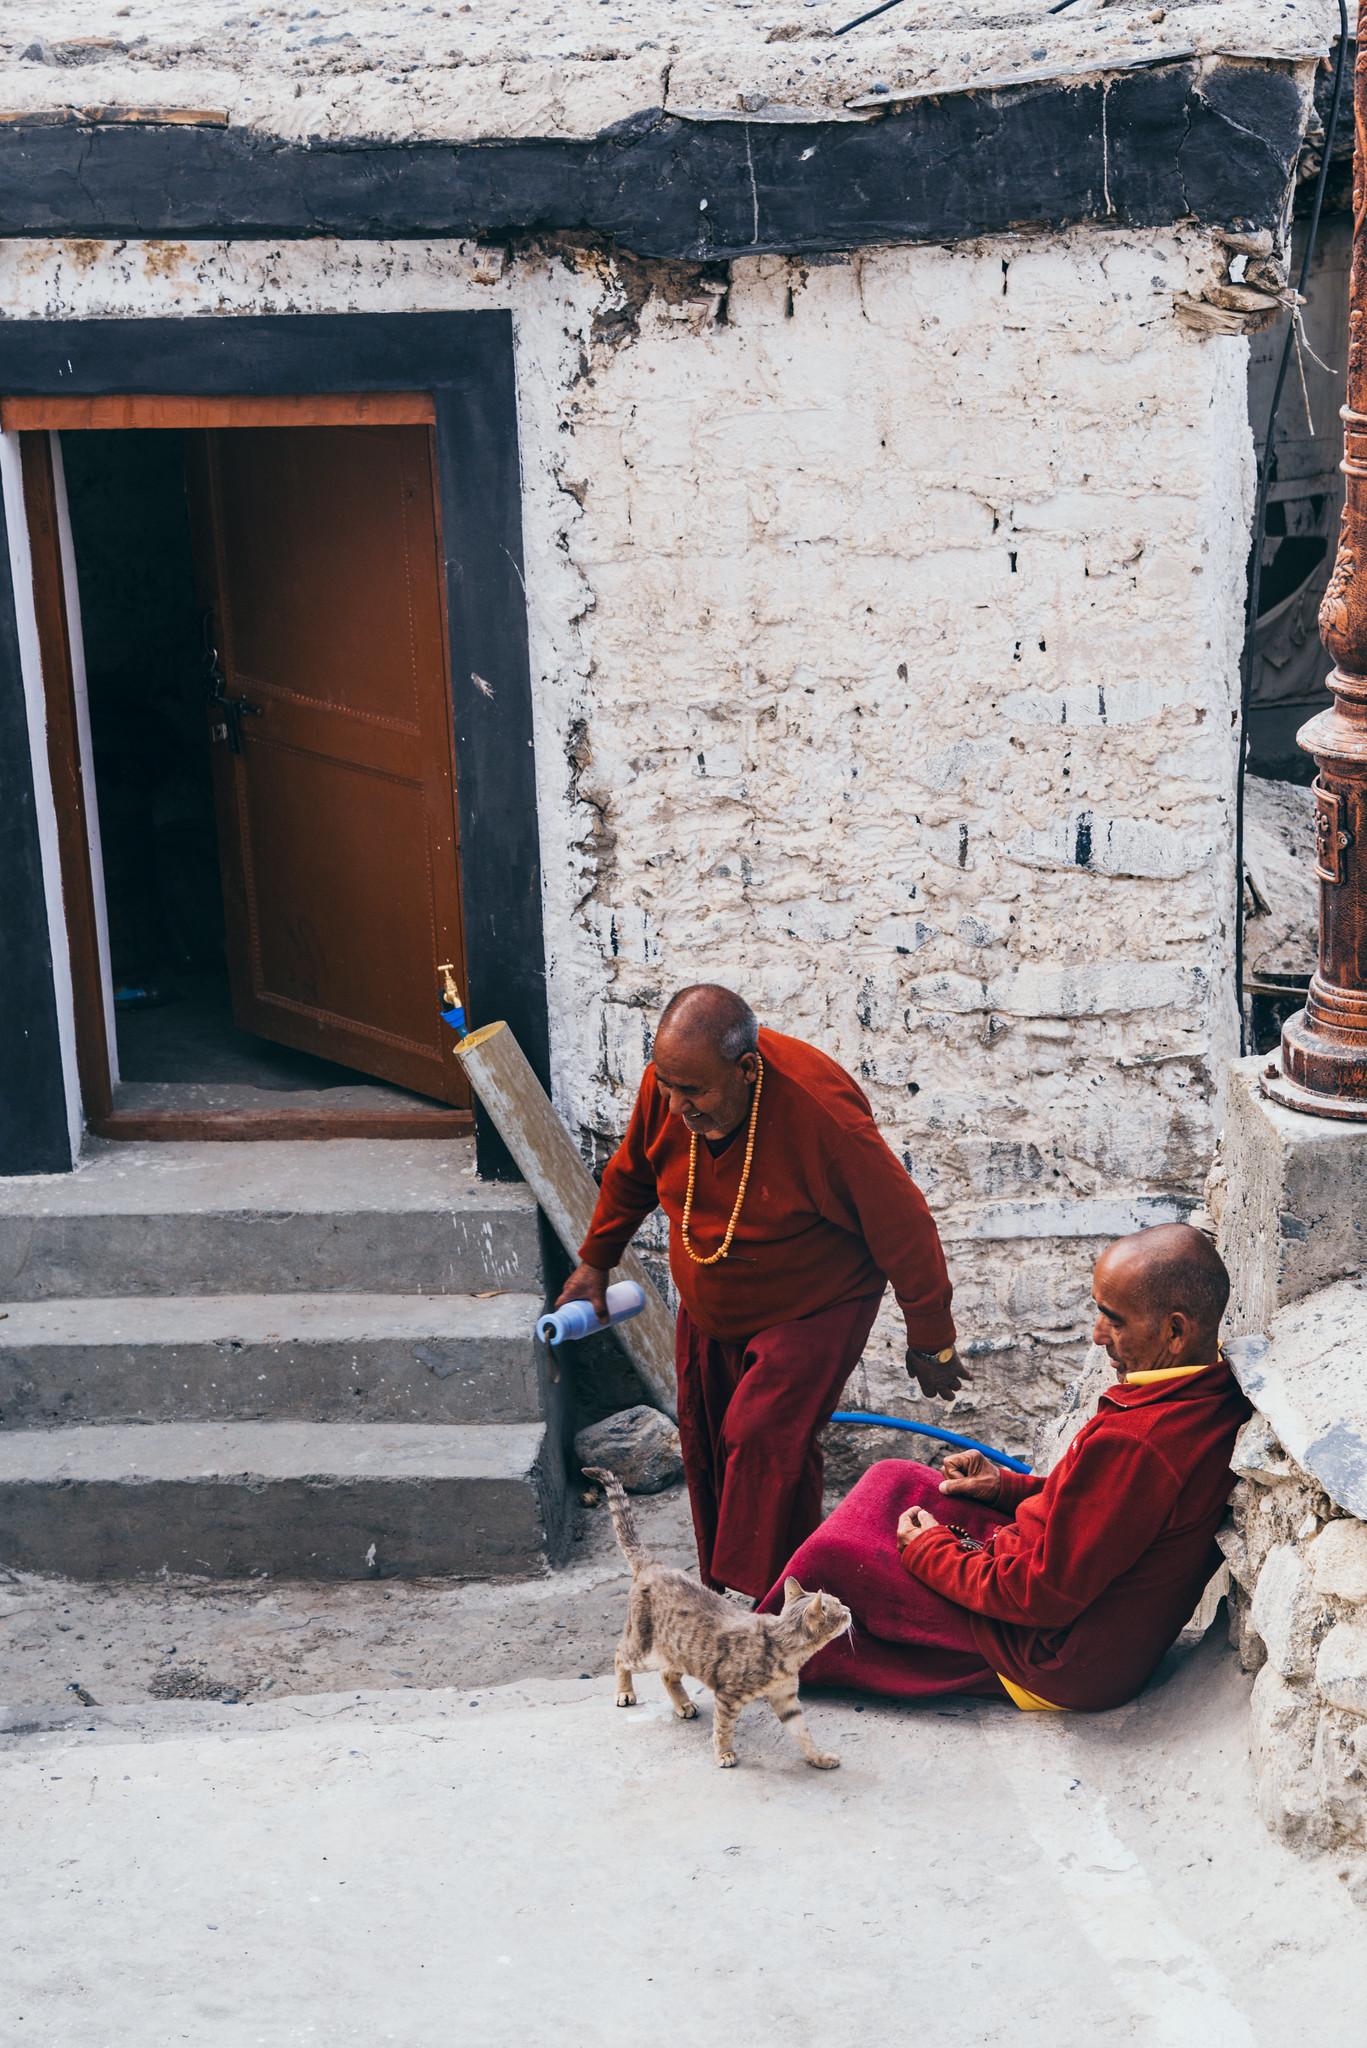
x: 1323, y: 1065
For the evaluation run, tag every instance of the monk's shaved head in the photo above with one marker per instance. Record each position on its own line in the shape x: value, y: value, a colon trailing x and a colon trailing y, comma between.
x: 1175, y: 1267
x: 706, y: 1014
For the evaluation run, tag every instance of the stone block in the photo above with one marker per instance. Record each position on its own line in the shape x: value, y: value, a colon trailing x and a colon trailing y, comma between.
x: 639, y: 1444
x: 1305, y: 1379
x: 1283, y: 1611
x: 1295, y: 1215
x: 1341, y: 1668
x: 1258, y: 1455
x: 1284, y: 1723
x: 1338, y: 1560
x: 1340, y: 1787
x: 1245, y: 1641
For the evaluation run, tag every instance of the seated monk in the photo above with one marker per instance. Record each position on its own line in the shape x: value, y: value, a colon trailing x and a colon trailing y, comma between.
x: 1062, y: 1591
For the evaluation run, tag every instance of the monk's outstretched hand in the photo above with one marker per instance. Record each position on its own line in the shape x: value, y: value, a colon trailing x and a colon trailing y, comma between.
x: 971, y: 1476
x: 937, y: 1380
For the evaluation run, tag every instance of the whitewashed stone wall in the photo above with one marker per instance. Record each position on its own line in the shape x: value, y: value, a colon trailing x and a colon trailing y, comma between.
x: 885, y: 618
x: 1299, y: 1619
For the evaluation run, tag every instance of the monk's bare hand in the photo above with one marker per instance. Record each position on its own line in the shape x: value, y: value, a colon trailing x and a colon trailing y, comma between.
x: 912, y: 1524
x: 937, y: 1380
x: 971, y: 1476
x: 590, y: 1284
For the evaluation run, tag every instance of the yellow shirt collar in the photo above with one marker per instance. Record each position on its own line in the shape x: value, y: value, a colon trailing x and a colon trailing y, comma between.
x: 1167, y: 1372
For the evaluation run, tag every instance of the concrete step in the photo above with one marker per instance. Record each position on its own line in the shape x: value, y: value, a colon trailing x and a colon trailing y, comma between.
x: 320, y: 1500
x: 270, y: 1357
x: 339, y: 1216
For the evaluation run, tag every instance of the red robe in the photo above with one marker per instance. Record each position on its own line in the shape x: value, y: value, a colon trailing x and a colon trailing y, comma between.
x: 1073, y: 1587
x: 769, y: 1335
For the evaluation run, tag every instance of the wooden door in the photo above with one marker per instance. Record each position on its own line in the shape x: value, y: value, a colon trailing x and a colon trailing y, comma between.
x: 330, y: 716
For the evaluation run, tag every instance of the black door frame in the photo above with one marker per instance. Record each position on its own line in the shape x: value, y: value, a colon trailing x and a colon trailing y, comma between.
x: 465, y: 361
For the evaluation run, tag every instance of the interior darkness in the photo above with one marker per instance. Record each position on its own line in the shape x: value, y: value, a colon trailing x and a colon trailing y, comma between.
x: 145, y: 666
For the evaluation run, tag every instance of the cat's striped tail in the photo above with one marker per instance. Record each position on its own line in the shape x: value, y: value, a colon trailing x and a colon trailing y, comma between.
x: 619, y: 1507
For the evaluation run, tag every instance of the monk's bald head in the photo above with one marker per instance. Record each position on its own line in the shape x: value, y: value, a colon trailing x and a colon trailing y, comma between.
x: 707, y: 1058
x: 1160, y: 1295
x: 706, y: 1014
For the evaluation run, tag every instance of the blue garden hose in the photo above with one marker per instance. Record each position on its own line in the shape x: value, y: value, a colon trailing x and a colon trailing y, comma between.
x: 944, y: 1436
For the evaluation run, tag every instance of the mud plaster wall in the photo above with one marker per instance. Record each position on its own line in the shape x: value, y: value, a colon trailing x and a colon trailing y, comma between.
x: 884, y: 620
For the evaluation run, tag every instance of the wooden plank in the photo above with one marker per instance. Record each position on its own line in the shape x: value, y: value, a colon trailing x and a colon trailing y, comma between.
x: 120, y: 410
x: 64, y: 762
x: 99, y: 117
x: 549, y: 1161
x: 238, y: 1126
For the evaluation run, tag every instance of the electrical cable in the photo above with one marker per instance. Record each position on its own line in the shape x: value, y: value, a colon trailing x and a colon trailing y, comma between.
x: 1265, y: 473
x: 944, y: 1436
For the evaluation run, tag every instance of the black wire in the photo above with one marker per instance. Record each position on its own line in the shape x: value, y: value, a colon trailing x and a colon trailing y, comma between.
x: 887, y: 6
x: 1265, y: 469
x: 860, y: 19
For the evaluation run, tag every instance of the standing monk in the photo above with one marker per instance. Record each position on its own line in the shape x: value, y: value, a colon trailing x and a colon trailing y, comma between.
x: 787, y: 1216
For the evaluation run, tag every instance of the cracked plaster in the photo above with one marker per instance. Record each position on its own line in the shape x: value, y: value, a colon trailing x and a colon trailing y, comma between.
x: 476, y: 70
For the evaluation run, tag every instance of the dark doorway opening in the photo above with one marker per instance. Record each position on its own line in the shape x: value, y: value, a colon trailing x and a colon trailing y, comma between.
x: 146, y: 639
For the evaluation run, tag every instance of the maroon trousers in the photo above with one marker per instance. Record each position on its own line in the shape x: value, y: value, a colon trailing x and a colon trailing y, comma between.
x: 749, y: 1417
x: 908, y: 1641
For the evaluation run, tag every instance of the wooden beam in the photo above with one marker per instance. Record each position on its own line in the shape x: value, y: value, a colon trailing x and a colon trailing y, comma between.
x: 1211, y: 139
x: 548, y: 1159
x: 120, y: 410
x: 67, y: 772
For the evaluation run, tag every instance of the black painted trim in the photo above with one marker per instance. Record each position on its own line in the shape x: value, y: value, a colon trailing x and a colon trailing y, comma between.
x: 34, y: 1133
x: 1216, y: 143
x: 466, y: 361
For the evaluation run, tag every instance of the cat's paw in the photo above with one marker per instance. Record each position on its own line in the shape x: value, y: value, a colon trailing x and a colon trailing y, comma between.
x: 626, y: 1699
x: 822, y: 1760
x: 686, y: 1713
x: 727, y: 1759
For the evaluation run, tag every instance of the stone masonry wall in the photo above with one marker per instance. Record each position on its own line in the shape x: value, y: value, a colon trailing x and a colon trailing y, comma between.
x: 885, y: 618
x: 1299, y: 1619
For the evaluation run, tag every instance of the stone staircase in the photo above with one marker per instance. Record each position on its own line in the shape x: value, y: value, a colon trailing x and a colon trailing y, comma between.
x: 313, y: 1360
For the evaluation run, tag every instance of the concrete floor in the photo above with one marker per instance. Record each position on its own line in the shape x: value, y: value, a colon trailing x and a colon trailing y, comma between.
x: 519, y: 1862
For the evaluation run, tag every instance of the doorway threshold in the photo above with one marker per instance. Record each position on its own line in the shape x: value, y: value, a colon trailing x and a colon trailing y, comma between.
x: 232, y: 1112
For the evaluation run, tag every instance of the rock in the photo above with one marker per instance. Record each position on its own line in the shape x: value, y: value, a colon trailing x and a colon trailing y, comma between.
x: 1079, y: 1406
x: 639, y: 1444
x: 1341, y: 1667
x: 1340, y: 1793
x: 1208, y: 1606
x: 1234, y: 1551
x: 1283, y: 1728
x: 1338, y: 1560
x: 1283, y: 1611
x: 1259, y: 1456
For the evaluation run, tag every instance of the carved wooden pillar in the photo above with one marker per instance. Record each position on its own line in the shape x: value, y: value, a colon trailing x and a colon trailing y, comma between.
x: 1323, y: 1063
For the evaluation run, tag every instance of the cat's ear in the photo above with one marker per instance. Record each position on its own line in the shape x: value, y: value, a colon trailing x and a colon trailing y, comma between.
x: 792, y: 1590
x: 816, y: 1613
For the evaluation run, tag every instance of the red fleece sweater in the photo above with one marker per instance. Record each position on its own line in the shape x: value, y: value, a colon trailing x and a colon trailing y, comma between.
x: 1081, y: 1594
x: 829, y: 1214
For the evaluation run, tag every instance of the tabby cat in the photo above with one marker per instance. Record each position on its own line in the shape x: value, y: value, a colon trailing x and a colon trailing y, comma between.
x: 674, y: 1626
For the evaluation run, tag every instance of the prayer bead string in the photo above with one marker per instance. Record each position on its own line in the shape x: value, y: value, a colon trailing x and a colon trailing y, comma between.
x: 720, y: 1254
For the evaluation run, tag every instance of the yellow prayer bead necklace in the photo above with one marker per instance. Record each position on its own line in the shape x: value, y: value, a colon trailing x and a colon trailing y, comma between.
x: 697, y: 1257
